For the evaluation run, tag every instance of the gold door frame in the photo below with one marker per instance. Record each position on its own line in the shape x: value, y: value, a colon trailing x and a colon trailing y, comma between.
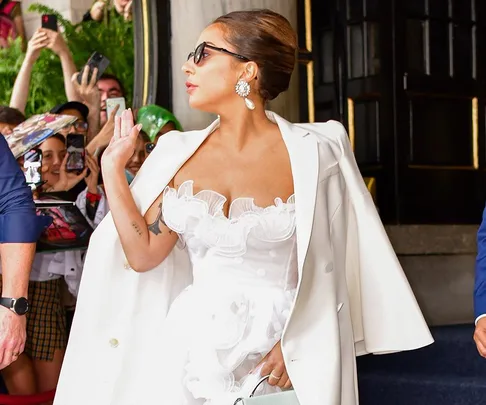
x: 305, y: 58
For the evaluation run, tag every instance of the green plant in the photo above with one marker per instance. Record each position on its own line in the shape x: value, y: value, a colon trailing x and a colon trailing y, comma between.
x: 10, y: 61
x: 113, y: 38
x: 46, y: 85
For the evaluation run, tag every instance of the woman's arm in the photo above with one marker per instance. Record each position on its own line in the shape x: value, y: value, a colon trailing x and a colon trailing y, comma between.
x: 68, y: 69
x: 102, y: 139
x: 92, y: 201
x: 57, y: 45
x: 146, y: 241
x: 20, y: 91
x: 93, y: 121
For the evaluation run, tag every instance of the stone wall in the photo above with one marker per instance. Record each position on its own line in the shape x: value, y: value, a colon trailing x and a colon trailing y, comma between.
x: 439, y: 263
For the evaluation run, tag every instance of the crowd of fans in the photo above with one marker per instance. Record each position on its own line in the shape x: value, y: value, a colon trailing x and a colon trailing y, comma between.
x: 55, y: 276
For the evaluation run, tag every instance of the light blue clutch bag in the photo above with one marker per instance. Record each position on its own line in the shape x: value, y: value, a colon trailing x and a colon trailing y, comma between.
x: 279, y: 398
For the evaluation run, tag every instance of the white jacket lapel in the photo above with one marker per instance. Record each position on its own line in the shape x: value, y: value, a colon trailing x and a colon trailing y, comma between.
x: 174, y: 149
x: 304, y: 159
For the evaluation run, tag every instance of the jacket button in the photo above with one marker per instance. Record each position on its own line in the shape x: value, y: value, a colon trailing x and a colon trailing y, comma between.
x: 114, y: 342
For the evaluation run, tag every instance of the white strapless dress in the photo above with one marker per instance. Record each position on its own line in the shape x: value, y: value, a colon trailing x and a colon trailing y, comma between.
x: 245, y: 276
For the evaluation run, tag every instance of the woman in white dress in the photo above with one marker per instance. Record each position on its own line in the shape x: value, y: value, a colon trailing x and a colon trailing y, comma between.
x: 264, y: 297
x: 232, y: 204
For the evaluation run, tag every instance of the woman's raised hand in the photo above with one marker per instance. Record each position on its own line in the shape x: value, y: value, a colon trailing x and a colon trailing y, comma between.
x: 39, y: 41
x: 122, y: 145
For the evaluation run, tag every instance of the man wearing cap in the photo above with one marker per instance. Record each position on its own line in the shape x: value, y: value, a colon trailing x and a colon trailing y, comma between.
x: 20, y: 228
x: 75, y: 109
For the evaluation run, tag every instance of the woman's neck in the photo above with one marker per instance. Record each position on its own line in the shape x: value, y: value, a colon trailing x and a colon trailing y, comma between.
x: 236, y: 130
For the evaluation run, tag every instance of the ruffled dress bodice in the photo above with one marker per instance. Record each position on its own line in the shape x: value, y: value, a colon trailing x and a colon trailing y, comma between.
x: 244, y: 280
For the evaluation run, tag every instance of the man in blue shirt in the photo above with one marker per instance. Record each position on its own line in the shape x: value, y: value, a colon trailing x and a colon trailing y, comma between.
x: 20, y: 228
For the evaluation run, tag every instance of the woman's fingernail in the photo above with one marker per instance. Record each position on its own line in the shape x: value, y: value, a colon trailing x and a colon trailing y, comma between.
x: 139, y: 126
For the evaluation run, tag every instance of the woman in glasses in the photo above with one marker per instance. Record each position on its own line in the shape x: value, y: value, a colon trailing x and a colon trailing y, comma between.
x: 75, y: 109
x: 249, y: 248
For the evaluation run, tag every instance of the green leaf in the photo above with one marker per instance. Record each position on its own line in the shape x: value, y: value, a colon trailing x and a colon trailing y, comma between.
x: 113, y: 37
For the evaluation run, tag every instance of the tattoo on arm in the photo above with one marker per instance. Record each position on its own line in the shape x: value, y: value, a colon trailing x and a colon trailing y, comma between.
x: 154, y: 227
x: 137, y: 228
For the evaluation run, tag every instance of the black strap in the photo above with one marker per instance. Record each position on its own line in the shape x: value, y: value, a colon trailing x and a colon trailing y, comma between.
x: 7, y: 302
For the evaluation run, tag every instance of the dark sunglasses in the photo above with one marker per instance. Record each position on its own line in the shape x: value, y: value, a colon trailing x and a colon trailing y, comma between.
x: 149, y: 147
x: 198, y: 53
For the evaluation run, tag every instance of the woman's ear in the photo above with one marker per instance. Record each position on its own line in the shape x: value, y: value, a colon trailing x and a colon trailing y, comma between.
x: 251, y: 72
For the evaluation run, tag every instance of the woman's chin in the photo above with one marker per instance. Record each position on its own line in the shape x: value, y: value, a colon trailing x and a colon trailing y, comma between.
x: 133, y: 170
x: 201, y: 105
x: 194, y: 103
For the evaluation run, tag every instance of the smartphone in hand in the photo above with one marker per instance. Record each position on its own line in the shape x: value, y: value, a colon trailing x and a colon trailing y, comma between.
x: 96, y: 60
x: 33, y: 167
x: 75, y: 144
x: 111, y: 104
x: 49, y: 21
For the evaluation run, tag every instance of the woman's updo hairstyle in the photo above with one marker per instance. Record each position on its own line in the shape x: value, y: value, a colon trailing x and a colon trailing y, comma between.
x: 266, y: 38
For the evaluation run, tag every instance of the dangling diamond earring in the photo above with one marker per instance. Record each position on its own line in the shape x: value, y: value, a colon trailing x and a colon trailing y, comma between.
x: 243, y: 90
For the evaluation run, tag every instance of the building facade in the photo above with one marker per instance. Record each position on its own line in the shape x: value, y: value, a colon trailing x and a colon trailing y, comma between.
x: 405, y: 78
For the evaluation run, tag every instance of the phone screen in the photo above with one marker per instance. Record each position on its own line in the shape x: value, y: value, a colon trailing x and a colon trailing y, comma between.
x: 33, y: 166
x: 96, y: 60
x: 111, y: 103
x: 49, y: 21
x: 76, y: 153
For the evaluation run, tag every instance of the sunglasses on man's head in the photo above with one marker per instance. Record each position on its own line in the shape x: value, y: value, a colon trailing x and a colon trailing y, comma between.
x: 198, y: 53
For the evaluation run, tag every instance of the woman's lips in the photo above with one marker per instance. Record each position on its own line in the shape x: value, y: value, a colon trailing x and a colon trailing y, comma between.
x: 190, y: 87
x: 134, y: 168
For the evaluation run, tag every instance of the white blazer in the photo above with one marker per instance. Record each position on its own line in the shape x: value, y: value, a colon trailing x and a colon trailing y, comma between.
x: 353, y: 297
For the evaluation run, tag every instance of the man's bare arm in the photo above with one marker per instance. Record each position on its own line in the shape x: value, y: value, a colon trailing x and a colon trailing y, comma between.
x: 16, y: 261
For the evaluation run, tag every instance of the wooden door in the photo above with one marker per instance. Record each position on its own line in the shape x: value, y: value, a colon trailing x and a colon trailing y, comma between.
x: 407, y: 80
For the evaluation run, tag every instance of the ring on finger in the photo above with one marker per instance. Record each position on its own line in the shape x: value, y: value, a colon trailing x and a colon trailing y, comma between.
x: 275, y: 377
